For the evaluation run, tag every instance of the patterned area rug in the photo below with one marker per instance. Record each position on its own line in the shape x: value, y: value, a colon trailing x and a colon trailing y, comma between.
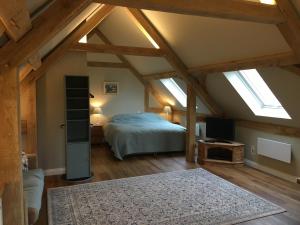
x: 186, y: 197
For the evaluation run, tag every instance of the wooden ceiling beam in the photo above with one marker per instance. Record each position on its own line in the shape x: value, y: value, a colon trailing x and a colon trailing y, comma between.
x: 225, y: 9
x: 148, y: 87
x: 175, y: 61
x: 44, y: 28
x: 15, y: 18
x: 35, y: 61
x: 75, y: 36
x: 114, y: 49
x: 294, y: 69
x: 291, y: 28
x: 107, y: 64
x: 279, y: 59
x: 162, y: 75
x: 2, y: 28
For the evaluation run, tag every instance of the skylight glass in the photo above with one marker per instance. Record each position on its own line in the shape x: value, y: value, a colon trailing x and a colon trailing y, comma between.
x: 256, y: 93
x: 83, y: 39
x: 175, y: 90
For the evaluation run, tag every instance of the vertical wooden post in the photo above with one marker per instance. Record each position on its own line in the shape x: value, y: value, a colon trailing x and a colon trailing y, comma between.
x: 28, y: 113
x: 146, y: 99
x: 10, y: 166
x: 191, y: 123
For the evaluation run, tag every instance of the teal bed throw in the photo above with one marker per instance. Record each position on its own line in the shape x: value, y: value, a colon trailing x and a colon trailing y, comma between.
x: 141, y: 133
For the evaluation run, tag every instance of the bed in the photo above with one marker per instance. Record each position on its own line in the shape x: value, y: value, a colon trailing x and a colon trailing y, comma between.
x: 141, y: 133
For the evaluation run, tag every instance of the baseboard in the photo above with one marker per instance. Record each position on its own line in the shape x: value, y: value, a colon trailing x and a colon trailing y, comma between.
x: 56, y: 171
x: 271, y: 171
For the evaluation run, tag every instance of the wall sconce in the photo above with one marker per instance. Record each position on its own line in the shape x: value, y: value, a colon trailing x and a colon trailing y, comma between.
x: 168, y: 111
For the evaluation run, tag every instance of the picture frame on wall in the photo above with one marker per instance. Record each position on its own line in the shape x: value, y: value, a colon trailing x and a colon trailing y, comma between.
x: 111, y: 88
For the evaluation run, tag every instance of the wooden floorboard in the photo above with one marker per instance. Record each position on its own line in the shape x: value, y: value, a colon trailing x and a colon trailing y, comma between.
x: 106, y: 167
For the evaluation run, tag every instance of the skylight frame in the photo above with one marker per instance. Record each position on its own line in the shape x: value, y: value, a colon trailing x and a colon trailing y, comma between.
x: 253, y: 94
x: 175, y: 90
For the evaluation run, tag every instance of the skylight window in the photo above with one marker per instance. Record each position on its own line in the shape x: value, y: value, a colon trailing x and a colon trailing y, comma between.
x: 175, y: 90
x: 83, y: 39
x: 256, y: 93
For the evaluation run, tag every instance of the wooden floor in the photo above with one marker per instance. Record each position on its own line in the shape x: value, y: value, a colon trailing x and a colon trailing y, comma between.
x: 106, y: 167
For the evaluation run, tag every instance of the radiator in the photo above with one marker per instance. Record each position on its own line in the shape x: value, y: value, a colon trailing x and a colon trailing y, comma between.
x: 197, y: 130
x: 274, y: 149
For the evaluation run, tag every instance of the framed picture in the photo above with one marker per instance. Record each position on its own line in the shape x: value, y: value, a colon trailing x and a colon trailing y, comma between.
x: 111, y: 88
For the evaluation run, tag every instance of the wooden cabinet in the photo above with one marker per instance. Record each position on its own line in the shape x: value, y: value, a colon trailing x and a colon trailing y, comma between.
x: 219, y: 152
x: 97, y: 135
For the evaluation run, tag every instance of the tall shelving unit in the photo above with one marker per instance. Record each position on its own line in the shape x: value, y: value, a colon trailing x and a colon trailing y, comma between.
x: 78, y: 147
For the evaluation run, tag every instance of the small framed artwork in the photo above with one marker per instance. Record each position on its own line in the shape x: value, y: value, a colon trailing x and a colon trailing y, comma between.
x: 111, y: 88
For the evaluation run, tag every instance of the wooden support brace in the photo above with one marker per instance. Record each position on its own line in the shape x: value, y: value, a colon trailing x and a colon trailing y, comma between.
x: 191, y: 124
x: 15, y: 18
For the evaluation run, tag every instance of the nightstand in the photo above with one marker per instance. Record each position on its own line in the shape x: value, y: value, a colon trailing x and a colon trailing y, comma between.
x: 97, y: 135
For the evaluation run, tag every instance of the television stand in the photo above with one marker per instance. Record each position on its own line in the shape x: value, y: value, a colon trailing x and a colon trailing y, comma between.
x: 220, y: 152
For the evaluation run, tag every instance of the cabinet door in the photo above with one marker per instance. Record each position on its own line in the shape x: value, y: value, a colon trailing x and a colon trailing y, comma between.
x: 78, y: 160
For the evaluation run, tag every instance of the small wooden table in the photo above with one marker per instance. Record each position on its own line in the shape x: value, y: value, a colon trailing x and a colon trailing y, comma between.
x: 97, y: 135
x: 208, y: 152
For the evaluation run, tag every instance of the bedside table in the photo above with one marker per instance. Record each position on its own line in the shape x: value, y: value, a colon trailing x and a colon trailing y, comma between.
x: 97, y: 135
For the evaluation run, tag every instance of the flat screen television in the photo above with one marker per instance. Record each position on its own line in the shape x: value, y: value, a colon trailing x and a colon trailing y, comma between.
x: 220, y: 129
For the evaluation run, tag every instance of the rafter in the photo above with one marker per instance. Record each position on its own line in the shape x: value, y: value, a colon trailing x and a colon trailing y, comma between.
x: 76, y: 35
x: 175, y: 61
x: 290, y: 29
x: 162, y: 75
x: 15, y: 18
x: 45, y: 27
x: 279, y: 59
x: 148, y: 87
x: 106, y: 64
x: 294, y: 69
x: 226, y: 9
x: 115, y: 49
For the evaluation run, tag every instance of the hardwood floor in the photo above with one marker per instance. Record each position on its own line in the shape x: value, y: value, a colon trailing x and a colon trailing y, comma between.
x: 106, y: 167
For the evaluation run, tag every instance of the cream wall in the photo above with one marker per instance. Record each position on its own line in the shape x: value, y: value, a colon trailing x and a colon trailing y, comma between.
x: 51, y: 105
x: 51, y: 108
x: 130, y: 98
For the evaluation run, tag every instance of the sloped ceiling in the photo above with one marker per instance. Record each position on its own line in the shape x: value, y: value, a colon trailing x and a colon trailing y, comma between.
x: 201, y: 40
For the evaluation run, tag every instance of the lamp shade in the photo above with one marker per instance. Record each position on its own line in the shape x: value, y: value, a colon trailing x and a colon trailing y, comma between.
x: 97, y: 110
x: 167, y: 109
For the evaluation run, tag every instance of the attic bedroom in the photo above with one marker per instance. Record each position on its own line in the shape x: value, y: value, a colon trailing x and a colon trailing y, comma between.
x: 149, y: 112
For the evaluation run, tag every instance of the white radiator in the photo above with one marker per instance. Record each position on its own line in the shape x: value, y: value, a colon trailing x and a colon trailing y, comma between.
x: 197, y: 130
x: 274, y: 149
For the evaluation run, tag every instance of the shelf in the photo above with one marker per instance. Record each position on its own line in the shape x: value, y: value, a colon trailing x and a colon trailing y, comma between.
x: 76, y: 88
x: 78, y: 120
x: 77, y: 109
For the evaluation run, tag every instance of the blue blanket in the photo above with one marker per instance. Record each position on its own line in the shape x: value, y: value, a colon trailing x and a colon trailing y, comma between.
x: 143, y: 133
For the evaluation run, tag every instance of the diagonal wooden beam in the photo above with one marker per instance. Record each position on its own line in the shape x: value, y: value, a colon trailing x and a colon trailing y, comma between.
x: 225, y: 9
x: 106, y: 64
x: 294, y: 69
x: 279, y: 59
x: 162, y: 75
x: 45, y: 27
x: 175, y: 61
x: 76, y: 35
x: 148, y: 87
x: 15, y: 18
x: 115, y: 49
x: 290, y: 29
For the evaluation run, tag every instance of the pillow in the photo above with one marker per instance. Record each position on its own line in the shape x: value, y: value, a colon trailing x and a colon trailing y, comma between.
x: 136, y: 117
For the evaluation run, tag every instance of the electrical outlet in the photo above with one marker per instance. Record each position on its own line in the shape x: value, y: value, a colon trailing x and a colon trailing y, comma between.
x: 252, y: 149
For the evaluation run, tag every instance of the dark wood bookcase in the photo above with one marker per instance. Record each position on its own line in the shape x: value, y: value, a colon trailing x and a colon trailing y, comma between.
x: 78, y: 147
